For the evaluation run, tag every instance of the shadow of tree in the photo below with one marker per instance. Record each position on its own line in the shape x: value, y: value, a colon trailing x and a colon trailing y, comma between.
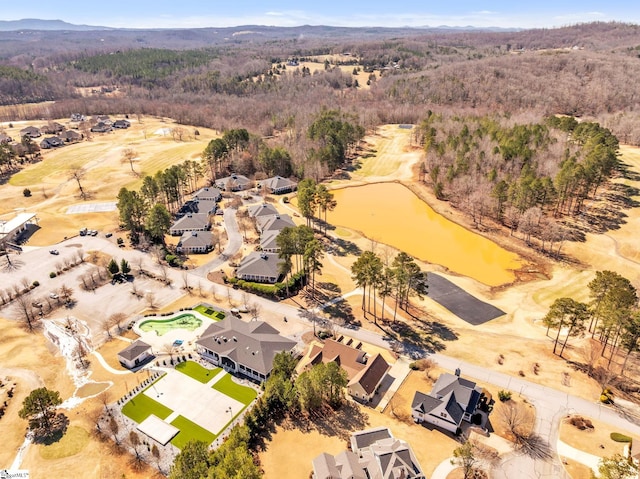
x: 47, y: 437
x: 342, y: 247
x: 334, y: 423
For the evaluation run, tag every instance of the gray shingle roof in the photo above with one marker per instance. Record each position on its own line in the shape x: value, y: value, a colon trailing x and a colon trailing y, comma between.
x: 191, y: 221
x: 278, y: 182
x: 264, y: 209
x: 274, y: 222
x: 253, y: 344
x: 196, y: 239
x: 134, y: 350
x: 259, y: 264
x: 207, y: 193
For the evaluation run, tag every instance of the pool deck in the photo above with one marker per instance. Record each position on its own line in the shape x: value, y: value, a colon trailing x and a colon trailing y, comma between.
x: 159, y: 343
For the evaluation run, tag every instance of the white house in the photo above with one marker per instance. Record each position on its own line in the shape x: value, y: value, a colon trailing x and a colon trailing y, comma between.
x: 136, y: 354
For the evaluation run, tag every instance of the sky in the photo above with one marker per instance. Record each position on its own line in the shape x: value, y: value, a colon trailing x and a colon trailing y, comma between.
x: 349, y: 13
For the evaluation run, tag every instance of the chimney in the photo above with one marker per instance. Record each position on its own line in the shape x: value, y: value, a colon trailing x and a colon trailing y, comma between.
x: 458, y: 372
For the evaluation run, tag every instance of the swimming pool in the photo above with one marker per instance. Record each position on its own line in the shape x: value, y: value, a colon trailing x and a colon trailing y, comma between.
x: 162, y: 326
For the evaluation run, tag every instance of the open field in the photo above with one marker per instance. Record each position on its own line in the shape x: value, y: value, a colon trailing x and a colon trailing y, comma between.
x: 518, y: 336
x: 105, y: 173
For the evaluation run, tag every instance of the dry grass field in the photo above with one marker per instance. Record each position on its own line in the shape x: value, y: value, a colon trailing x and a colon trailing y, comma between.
x: 32, y: 361
x: 52, y: 191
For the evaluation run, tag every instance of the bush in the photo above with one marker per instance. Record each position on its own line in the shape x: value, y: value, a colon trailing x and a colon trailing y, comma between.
x: 52, y: 274
x: 414, y: 366
x: 617, y: 437
x: 26, y: 192
x: 504, y: 395
x: 35, y: 284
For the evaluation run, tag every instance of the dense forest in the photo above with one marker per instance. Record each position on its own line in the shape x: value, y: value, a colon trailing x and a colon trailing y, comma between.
x: 225, y: 78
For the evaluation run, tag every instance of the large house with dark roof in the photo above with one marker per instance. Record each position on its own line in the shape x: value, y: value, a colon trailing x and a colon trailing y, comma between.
x: 208, y: 193
x: 274, y: 222
x: 451, y: 401
x: 260, y: 267
x: 51, y: 142
x: 365, y: 373
x: 264, y: 209
x: 375, y: 454
x: 31, y: 132
x: 243, y: 348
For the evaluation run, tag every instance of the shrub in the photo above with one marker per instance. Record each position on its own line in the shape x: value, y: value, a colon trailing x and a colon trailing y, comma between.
x: 504, y: 395
x: 52, y: 274
x: 414, y: 366
x: 35, y: 284
x: 617, y: 437
x: 26, y: 192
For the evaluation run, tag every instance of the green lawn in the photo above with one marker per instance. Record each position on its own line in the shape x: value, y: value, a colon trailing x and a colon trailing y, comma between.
x: 197, y: 372
x: 190, y: 431
x: 243, y: 394
x: 142, y: 406
x: 209, y: 312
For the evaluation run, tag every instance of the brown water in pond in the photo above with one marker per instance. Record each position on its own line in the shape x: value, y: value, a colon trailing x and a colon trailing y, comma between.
x: 91, y: 389
x: 392, y: 214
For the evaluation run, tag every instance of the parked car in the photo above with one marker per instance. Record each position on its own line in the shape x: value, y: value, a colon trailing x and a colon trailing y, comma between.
x: 93, y: 232
x: 83, y: 232
x: 54, y: 251
x: 53, y: 295
x: 108, y: 235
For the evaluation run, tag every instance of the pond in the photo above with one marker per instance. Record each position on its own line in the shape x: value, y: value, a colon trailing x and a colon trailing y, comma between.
x: 392, y: 214
x: 162, y: 326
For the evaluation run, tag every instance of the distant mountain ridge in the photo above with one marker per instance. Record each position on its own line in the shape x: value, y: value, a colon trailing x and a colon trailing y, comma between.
x: 61, y: 25
x: 38, y: 24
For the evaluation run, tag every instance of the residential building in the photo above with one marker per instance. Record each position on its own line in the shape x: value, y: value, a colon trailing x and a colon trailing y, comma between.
x: 451, y: 401
x: 198, y: 206
x: 264, y: 209
x: 52, y: 128
x: 234, y: 183
x: 364, y: 373
x: 121, y: 124
x: 191, y: 222
x: 71, y: 136
x: 51, y: 142
x: 375, y: 454
x: 274, y: 222
x: 269, y: 241
x: 5, y: 138
x: 243, y: 348
x: 77, y: 117
x: 31, y: 132
x: 208, y: 193
x: 278, y: 185
x: 136, y: 354
x: 101, y: 127
x: 195, y: 242
x: 259, y: 267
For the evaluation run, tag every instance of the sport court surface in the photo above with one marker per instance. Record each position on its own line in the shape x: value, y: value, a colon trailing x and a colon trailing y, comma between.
x: 198, y: 402
x: 91, y: 208
x: 459, y: 302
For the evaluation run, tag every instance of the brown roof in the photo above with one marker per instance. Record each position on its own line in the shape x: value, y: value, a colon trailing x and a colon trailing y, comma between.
x: 350, y: 359
x: 372, y: 374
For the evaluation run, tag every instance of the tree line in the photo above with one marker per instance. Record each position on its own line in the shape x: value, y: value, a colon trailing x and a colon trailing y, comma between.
x: 612, y: 316
x: 524, y: 175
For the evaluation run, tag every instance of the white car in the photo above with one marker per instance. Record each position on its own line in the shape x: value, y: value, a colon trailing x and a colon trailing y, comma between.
x: 54, y: 251
x: 53, y: 295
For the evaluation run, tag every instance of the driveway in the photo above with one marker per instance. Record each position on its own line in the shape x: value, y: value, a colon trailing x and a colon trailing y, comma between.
x: 234, y: 245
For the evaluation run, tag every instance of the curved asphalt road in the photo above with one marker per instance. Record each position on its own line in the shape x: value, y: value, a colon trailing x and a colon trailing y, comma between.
x: 234, y: 245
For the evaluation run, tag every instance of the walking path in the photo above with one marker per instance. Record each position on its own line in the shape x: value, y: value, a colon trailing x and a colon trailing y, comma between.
x: 105, y: 365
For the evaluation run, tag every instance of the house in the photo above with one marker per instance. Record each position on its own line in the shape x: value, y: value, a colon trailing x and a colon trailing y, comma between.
x: 5, y: 138
x: 101, y: 127
x: 269, y: 241
x: 195, y: 242
x: 77, y: 118
x: 135, y: 354
x: 451, y: 401
x: 375, y: 454
x: 71, y: 136
x: 103, y: 119
x: 278, y: 185
x: 51, y: 142
x: 52, y: 128
x: 243, y: 348
x: 259, y: 267
x: 198, y: 206
x: 265, y: 209
x: 234, y: 183
x: 191, y: 222
x: 121, y: 124
x: 364, y: 373
x: 208, y: 193
x: 31, y: 132
x: 274, y: 222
